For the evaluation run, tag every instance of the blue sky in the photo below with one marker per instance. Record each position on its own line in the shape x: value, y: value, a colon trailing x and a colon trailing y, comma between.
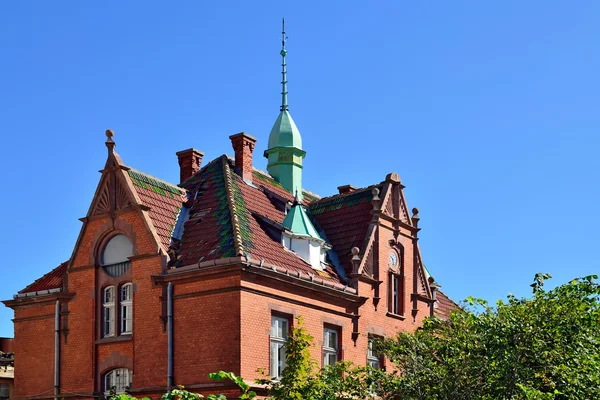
x: 487, y: 110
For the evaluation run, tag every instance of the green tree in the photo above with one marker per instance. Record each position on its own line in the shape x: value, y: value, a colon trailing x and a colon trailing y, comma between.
x: 543, y: 347
x: 302, y: 379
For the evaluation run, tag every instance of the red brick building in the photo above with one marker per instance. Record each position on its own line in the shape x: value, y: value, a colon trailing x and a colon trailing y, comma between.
x: 167, y: 283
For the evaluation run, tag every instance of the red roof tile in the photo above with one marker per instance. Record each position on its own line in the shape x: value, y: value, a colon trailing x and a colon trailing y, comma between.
x: 345, y: 219
x: 52, y: 280
x: 259, y: 245
x: 445, y: 305
x: 164, y: 199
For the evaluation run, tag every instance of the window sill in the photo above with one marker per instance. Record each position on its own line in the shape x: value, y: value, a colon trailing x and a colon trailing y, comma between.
x: 396, y: 316
x: 113, y: 339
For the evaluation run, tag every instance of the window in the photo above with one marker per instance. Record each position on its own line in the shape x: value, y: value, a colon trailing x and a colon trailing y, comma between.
x: 115, y: 256
x: 4, y: 391
x: 126, y: 308
x: 117, y: 381
x: 373, y: 358
x: 330, y: 346
x: 108, y: 311
x: 396, y: 297
x: 279, y: 333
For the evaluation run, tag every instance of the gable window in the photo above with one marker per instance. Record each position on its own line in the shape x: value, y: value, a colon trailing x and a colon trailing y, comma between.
x: 126, y: 308
x: 373, y: 357
x: 279, y: 333
x: 117, y: 381
x: 331, y: 353
x: 115, y: 256
x: 108, y: 311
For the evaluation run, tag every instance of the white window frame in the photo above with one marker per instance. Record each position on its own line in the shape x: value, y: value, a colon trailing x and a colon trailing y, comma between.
x: 108, y: 311
x: 279, y: 333
x: 126, y: 302
x: 328, y: 350
x: 373, y: 359
x: 119, y: 378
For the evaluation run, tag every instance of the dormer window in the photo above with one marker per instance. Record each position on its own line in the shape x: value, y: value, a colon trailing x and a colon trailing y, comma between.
x: 115, y: 256
x: 301, y: 237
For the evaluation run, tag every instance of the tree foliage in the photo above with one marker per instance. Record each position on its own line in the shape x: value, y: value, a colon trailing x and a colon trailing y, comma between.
x: 543, y: 347
x: 302, y: 379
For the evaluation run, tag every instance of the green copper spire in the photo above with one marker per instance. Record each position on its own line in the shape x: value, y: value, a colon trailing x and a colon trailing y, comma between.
x: 285, y: 152
x: 298, y: 222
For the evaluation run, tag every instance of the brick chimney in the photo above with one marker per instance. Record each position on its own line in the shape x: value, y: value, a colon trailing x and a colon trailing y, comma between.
x: 345, y: 189
x: 189, y: 163
x: 243, y: 146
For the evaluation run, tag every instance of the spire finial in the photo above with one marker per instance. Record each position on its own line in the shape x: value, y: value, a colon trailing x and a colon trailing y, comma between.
x: 110, y: 143
x: 296, y: 199
x: 283, y: 52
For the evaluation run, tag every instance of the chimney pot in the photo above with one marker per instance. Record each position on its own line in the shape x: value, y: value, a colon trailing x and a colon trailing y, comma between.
x: 189, y: 163
x: 345, y: 189
x: 243, y: 146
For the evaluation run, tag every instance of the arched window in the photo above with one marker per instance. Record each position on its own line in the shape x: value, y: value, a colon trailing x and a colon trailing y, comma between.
x: 396, y: 283
x: 115, y: 256
x: 108, y: 311
x: 117, y: 381
x: 126, y: 308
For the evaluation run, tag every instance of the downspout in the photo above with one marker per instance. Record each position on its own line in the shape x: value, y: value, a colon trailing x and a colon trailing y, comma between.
x: 170, y: 336
x: 415, y: 221
x: 56, y: 349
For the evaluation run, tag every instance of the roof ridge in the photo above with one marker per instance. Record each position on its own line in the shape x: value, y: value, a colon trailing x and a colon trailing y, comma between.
x: 175, y: 187
x: 339, y: 195
x: 237, y: 237
x: 61, y: 265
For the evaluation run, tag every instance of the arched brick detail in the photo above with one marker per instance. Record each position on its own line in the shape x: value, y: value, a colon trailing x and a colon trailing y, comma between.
x: 115, y: 360
x: 107, y: 231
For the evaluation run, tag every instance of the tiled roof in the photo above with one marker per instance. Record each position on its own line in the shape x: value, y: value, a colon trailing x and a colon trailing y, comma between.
x: 209, y: 232
x: 227, y: 217
x: 445, y: 305
x: 266, y: 181
x: 52, y: 280
x: 164, y: 199
x: 345, y: 219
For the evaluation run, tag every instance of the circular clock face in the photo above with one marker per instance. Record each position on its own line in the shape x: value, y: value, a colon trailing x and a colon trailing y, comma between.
x: 393, y: 259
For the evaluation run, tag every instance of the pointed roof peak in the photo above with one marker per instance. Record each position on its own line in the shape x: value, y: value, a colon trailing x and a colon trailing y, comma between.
x: 298, y: 222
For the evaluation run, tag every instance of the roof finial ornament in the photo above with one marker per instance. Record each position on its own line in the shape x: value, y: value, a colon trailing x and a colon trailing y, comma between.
x: 283, y: 52
x: 110, y: 143
x: 296, y: 199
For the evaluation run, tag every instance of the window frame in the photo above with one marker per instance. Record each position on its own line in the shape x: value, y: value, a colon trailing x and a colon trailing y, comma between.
x: 372, y: 356
x: 108, y: 312
x: 326, y: 349
x: 112, y: 375
x: 279, y: 342
x: 126, y: 310
x: 396, y: 286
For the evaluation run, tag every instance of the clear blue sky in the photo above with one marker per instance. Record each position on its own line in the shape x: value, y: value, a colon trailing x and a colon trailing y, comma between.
x: 487, y: 110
